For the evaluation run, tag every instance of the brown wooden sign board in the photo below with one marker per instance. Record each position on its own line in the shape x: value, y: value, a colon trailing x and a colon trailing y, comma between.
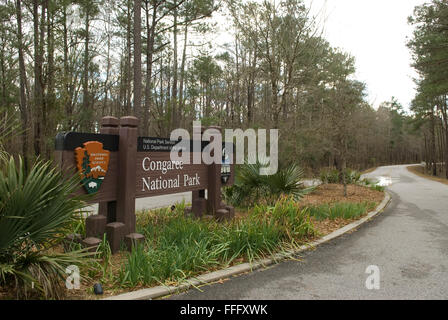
x: 117, y: 167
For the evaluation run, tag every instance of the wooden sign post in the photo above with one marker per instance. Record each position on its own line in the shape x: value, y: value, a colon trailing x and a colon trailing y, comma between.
x: 137, y: 167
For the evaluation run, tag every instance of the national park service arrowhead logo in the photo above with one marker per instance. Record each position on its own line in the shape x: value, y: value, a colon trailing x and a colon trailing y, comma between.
x: 92, y: 162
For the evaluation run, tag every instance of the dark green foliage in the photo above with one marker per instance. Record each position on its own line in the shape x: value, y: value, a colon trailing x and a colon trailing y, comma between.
x: 329, y: 175
x: 352, y: 176
x: 377, y: 188
x: 334, y: 176
x: 430, y: 59
x: 36, y: 208
x: 251, y: 187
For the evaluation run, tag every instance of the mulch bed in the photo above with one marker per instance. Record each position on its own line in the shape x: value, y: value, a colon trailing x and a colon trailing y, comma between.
x: 327, y: 226
x: 332, y: 193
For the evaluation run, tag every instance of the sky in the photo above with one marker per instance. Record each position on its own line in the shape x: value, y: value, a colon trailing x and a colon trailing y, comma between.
x: 375, y: 33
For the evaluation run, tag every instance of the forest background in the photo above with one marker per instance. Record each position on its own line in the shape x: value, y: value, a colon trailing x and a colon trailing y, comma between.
x: 66, y: 64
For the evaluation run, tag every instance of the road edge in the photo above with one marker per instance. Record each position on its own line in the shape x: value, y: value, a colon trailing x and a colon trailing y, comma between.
x: 160, y: 291
x: 410, y: 168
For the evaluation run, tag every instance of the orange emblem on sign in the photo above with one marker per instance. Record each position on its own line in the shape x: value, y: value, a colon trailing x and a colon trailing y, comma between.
x: 92, y: 162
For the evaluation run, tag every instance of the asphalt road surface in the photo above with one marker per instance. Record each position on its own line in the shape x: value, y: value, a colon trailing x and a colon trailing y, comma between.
x: 408, y: 243
x: 167, y: 200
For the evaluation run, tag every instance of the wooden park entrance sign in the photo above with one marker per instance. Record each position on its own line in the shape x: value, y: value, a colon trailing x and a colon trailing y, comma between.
x: 116, y: 167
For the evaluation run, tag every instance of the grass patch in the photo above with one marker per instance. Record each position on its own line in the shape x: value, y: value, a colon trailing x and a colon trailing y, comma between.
x: 342, y: 210
x: 179, y: 247
x: 377, y: 188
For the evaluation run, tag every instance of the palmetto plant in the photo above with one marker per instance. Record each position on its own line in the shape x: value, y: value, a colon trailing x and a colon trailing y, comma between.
x: 251, y: 186
x: 36, y: 207
x: 328, y: 175
x: 287, y: 182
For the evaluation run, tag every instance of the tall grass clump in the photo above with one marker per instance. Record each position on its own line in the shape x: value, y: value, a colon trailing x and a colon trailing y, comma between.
x: 178, y: 246
x: 249, y: 239
x: 100, y: 266
x: 343, y: 210
x: 286, y: 214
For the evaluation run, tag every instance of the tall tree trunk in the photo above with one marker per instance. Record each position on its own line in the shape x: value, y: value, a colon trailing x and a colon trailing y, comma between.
x: 175, y: 72
x: 106, y: 108
x: 182, y: 73
x: 149, y: 54
x: 445, y: 121
x: 66, y: 83
x: 251, y: 89
x: 38, y: 91
x: 51, y: 95
x: 42, y: 82
x: 128, y: 60
x: 433, y: 143
x: 138, y: 60
x: 427, y: 164
x: 237, y: 103
x: 274, y: 109
x: 4, y: 95
x: 161, y: 114
x: 23, y: 103
x: 86, y: 98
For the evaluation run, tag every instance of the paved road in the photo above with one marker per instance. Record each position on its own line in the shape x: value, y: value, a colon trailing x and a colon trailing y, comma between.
x: 162, y: 201
x: 168, y: 200
x: 408, y: 242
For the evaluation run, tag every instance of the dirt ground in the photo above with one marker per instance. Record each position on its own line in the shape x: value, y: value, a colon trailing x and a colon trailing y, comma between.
x: 325, y: 227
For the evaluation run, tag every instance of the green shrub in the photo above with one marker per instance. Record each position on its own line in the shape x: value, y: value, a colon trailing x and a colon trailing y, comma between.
x: 366, y: 182
x: 329, y: 176
x: 334, y: 176
x: 36, y: 208
x: 352, y: 176
x: 377, y: 188
x: 252, y: 187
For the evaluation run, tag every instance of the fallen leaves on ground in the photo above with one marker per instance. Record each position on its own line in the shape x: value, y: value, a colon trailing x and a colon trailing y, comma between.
x: 332, y: 193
